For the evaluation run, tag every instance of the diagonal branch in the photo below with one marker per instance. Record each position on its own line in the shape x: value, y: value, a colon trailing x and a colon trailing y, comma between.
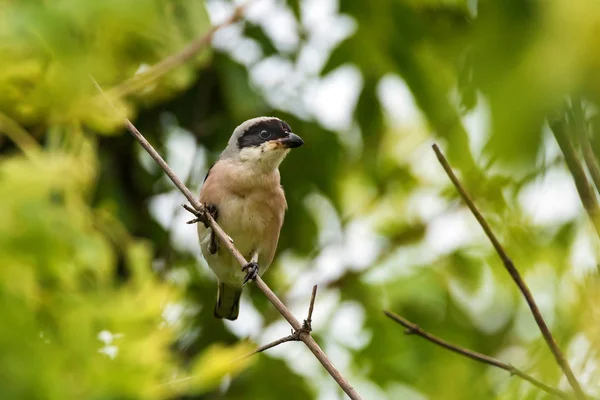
x: 295, y: 335
x: 516, y: 276
x: 226, y: 241
x: 412, y: 329
x: 158, y: 70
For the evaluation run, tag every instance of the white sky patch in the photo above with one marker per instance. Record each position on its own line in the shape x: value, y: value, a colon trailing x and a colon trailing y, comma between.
x: 146, y: 161
x: 362, y: 244
x: 583, y: 255
x: 405, y: 392
x: 325, y: 216
x: 370, y: 390
x: 279, y: 24
x: 218, y: 11
x: 189, y: 163
x: 550, y: 146
x: 551, y: 200
x: 489, y: 307
x: 477, y: 125
x: 333, y: 99
x: 325, y: 29
x: 403, y: 262
x: 249, y: 323
x: 347, y: 326
x: 271, y: 72
x: 227, y: 38
x: 425, y: 166
x: 398, y: 101
x: 179, y: 141
x: 585, y: 365
x: 450, y: 231
x: 246, y: 52
x: 339, y: 355
x: 162, y: 207
x: 424, y: 204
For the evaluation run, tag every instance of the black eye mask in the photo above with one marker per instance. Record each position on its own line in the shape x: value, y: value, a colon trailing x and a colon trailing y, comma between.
x: 262, y: 132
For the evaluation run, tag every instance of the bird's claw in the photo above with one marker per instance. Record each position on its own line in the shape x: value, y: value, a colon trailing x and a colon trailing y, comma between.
x: 252, y: 271
x: 201, y: 217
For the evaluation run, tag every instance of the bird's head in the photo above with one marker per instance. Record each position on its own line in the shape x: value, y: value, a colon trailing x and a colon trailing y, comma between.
x: 262, y: 141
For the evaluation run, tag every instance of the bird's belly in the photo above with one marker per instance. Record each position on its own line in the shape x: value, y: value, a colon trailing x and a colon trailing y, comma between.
x: 246, y: 224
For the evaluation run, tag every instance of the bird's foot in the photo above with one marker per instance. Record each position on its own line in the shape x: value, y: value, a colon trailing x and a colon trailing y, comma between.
x: 252, y: 271
x: 201, y: 217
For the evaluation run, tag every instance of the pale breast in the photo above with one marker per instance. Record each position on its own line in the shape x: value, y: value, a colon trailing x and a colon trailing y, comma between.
x: 252, y: 220
x: 251, y: 208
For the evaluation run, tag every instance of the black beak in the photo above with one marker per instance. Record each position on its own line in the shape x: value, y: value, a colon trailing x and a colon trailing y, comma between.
x: 291, y: 141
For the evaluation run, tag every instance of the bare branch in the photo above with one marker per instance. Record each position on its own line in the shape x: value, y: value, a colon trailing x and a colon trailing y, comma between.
x: 308, y: 321
x: 200, y: 212
x: 290, y: 338
x: 516, y: 276
x: 158, y: 70
x: 482, y: 358
x: 295, y: 336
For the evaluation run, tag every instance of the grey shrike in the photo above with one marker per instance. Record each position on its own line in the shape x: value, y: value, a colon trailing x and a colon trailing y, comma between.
x: 242, y: 192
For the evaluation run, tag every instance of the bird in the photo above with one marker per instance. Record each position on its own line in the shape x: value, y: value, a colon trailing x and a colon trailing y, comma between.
x: 243, y: 193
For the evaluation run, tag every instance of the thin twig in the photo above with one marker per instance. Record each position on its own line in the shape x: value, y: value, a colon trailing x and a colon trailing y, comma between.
x: 516, y: 276
x: 416, y: 330
x: 158, y: 70
x: 308, y: 321
x: 295, y: 336
x: 226, y: 241
x: 290, y: 338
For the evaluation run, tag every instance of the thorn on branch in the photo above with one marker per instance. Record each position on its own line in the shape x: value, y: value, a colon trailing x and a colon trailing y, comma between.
x: 411, y: 330
x: 294, y: 335
x: 199, y: 214
x: 307, y: 324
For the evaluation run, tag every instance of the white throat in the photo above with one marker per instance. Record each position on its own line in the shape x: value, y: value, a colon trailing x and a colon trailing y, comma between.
x: 262, y: 157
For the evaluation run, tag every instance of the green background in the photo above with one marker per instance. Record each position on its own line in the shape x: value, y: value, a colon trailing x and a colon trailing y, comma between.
x: 103, y: 292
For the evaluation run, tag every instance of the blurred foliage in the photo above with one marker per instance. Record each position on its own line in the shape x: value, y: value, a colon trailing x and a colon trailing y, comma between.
x: 103, y: 294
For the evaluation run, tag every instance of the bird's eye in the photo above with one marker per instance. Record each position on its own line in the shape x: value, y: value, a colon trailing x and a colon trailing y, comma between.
x: 265, y: 134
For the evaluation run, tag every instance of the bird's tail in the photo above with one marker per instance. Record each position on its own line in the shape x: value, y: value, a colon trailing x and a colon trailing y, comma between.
x: 228, y: 302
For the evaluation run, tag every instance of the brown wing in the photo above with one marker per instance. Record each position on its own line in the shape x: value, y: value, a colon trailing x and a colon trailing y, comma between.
x: 278, y: 205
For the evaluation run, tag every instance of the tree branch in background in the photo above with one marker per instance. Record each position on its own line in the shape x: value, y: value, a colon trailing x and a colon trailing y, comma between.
x: 584, y: 189
x: 412, y: 329
x: 200, y: 212
x: 295, y: 336
x: 583, y: 135
x: 137, y: 82
x: 516, y: 276
x: 19, y: 136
